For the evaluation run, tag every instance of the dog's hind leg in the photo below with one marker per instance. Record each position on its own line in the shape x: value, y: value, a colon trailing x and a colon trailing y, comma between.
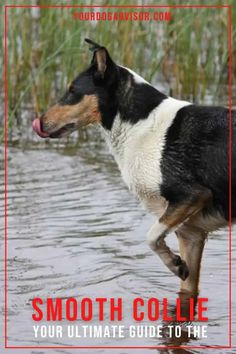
x: 176, y: 215
x: 191, y: 244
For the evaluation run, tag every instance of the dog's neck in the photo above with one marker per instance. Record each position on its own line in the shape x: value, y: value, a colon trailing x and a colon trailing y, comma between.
x: 135, y: 100
x: 136, y: 97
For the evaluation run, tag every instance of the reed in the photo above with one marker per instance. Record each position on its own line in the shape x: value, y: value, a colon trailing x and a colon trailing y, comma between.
x: 188, y: 55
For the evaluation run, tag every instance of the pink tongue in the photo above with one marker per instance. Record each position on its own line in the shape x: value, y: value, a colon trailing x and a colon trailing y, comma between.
x: 37, y: 128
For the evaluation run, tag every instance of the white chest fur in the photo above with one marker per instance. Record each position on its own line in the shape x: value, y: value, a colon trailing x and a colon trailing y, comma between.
x: 138, y: 148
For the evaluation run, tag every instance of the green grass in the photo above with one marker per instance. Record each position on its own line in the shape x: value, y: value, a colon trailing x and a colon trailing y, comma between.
x: 46, y: 50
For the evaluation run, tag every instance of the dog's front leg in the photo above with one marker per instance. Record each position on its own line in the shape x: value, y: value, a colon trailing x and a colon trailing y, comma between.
x: 175, y: 216
x: 156, y: 240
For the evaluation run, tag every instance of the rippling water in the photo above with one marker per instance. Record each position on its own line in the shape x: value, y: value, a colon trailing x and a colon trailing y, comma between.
x: 74, y: 231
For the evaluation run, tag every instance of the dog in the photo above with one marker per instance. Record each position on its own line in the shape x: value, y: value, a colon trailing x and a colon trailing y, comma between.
x: 172, y: 154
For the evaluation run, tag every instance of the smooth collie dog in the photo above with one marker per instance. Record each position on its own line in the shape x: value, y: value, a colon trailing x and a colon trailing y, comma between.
x: 173, y: 155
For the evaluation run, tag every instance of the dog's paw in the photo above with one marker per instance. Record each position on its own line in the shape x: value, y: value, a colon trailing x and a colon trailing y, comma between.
x: 183, y: 271
x: 177, y: 260
x: 180, y: 268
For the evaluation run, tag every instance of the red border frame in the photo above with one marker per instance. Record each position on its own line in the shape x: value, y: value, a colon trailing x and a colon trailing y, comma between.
x: 230, y: 172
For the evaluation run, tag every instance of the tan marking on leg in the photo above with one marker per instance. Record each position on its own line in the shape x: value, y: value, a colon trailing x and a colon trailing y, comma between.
x: 175, y: 215
x: 191, y: 245
x: 208, y: 222
x: 156, y: 240
x: 172, y: 218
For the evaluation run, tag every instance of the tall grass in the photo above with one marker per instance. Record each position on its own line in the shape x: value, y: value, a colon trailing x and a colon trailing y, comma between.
x: 46, y: 50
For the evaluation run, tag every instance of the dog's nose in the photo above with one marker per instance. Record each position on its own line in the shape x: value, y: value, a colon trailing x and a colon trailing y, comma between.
x: 37, y: 127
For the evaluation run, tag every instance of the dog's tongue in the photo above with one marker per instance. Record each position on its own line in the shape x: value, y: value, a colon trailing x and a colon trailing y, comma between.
x: 37, y: 128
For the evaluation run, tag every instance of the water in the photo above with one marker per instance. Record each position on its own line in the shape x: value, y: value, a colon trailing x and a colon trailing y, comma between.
x: 75, y: 231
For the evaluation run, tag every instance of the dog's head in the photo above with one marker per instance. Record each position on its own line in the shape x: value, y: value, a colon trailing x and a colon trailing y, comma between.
x: 90, y: 98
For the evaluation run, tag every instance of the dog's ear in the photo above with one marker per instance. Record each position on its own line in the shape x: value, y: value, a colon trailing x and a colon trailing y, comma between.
x: 101, y: 60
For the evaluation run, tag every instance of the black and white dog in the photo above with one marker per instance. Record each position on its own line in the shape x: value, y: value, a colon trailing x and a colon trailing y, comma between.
x: 173, y: 155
